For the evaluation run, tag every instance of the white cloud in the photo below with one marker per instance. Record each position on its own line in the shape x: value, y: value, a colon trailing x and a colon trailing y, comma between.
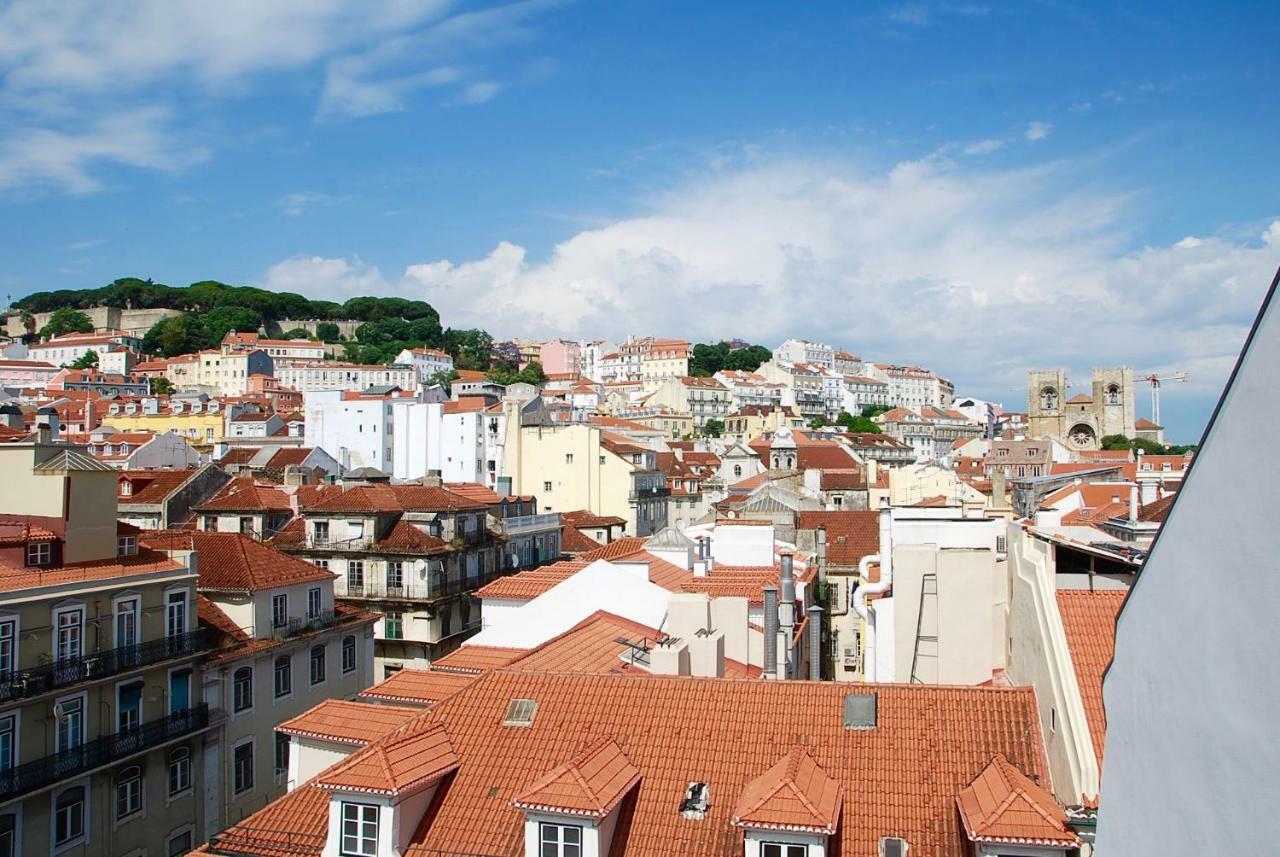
x: 68, y: 159
x: 971, y: 273
x: 1038, y: 131
x: 984, y: 147
x: 295, y: 204
x: 68, y: 69
x: 325, y: 279
x: 479, y: 93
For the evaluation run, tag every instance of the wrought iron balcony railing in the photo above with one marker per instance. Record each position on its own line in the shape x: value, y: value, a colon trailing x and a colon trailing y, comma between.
x: 304, y: 624
x: 27, y: 683
x: 109, y: 749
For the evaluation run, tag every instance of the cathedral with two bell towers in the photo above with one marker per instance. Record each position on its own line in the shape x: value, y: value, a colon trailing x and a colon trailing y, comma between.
x: 1082, y: 420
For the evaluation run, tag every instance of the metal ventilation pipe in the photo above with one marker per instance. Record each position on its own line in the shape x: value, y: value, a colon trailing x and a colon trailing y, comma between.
x: 770, y: 632
x: 787, y: 593
x: 815, y: 643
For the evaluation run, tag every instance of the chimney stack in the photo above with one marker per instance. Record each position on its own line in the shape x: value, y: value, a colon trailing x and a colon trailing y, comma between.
x: 770, y: 632
x: 787, y: 615
x: 822, y: 554
x: 815, y: 643
x: 1133, y: 503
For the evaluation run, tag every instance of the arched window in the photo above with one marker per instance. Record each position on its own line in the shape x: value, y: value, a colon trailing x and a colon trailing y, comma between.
x: 1113, y: 394
x: 737, y: 470
x: 317, y: 664
x: 242, y: 689
x: 283, y: 675
x: 128, y: 792
x: 68, y: 816
x: 179, y: 770
x: 1049, y: 398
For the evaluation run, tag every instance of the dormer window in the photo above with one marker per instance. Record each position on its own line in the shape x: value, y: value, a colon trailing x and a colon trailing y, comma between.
x: 560, y: 840
x: 359, y: 829
x: 127, y: 546
x: 782, y: 849
x: 126, y: 488
x: 39, y: 553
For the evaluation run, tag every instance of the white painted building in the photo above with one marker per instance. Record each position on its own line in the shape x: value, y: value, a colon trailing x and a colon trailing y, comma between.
x: 355, y: 377
x: 1190, y: 695
x: 428, y: 361
x: 795, y: 351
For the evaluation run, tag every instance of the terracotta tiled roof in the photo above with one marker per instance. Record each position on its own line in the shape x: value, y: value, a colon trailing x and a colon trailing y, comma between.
x: 574, y: 541
x: 395, y: 498
x: 795, y: 794
x: 850, y: 535
x: 475, y: 491
x: 152, y: 486
x: 1003, y: 806
x: 232, y: 562
x: 615, y: 549
x: 1156, y: 510
x: 404, y: 537
x: 344, y: 722
x: 21, y: 532
x: 591, y: 784
x: 1144, y: 424
x: 420, y: 687
x: 741, y: 729
x: 848, y: 479
x: 1089, y: 620
x: 213, y: 616
x: 584, y: 518
x: 244, y: 494
x: 527, y: 585
x: 1080, y: 399
x: 143, y: 562
x: 293, y: 456
x: 239, y: 455
x: 477, y: 659
x: 406, y: 761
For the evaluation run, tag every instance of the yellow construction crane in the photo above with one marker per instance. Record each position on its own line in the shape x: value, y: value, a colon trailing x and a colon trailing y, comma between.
x: 1155, y: 380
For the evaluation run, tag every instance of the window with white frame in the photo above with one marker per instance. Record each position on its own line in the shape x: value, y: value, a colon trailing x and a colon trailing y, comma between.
x: 127, y: 546
x: 783, y: 849
x: 313, y: 602
x: 70, y: 716
x: 393, y: 626
x: 242, y: 689
x: 8, y: 745
x: 179, y: 844
x: 179, y: 770
x: 242, y: 767
x: 279, y: 610
x: 8, y: 645
x: 395, y: 574
x: 355, y: 575
x: 128, y: 792
x: 70, y: 630
x: 68, y: 816
x: 175, y: 613
x: 317, y: 664
x: 39, y: 553
x: 283, y: 676
x: 348, y: 653
x: 559, y: 840
x: 359, y: 830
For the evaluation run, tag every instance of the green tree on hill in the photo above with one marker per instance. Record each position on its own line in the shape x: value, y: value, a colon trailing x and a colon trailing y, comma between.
x: 713, y: 428
x: 858, y: 424
x: 327, y: 331
x: 88, y: 360
x: 67, y: 320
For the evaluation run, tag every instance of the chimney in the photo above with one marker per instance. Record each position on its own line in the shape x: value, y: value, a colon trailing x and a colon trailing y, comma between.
x: 871, y: 472
x: 770, y: 632
x: 787, y: 615
x: 815, y: 643
x: 11, y: 416
x: 669, y: 657
x: 47, y: 424
x: 998, y: 499
x: 886, y: 542
x: 822, y: 554
x: 706, y: 654
x: 1133, y: 503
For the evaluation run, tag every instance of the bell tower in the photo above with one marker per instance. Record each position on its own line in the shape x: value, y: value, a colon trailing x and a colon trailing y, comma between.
x: 1046, y: 402
x: 1113, y: 401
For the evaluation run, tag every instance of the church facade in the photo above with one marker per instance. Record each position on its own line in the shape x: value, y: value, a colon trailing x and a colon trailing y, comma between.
x: 1082, y: 420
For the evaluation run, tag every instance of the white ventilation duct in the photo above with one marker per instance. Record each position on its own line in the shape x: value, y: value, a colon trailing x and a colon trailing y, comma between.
x: 884, y: 558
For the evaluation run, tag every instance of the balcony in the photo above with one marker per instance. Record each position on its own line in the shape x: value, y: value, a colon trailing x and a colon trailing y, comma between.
x: 405, y: 589
x: 28, y: 683
x: 521, y: 524
x: 306, y: 624
x: 107, y: 750
x: 359, y: 543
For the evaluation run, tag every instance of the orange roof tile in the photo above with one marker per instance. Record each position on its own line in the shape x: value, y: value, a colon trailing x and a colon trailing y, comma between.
x: 344, y: 722
x: 406, y: 761
x: 850, y: 535
x: 795, y: 794
x: 1003, y: 806
x: 422, y: 687
x: 476, y: 659
x: 585, y: 518
x: 152, y: 486
x: 232, y: 562
x: 244, y: 494
x: 394, y: 498
x: 404, y: 537
x: 574, y: 541
x: 742, y: 727
x: 1089, y: 620
x: 590, y: 784
x: 143, y: 562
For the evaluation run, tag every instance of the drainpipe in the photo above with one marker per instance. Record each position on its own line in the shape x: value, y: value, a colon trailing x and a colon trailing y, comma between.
x: 815, y: 643
x: 885, y: 558
x: 770, y: 632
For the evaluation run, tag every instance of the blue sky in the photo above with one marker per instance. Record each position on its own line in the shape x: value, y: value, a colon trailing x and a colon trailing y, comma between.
x: 980, y: 188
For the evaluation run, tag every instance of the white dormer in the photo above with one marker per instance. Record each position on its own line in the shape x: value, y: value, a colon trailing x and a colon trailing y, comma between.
x: 573, y: 809
x: 378, y: 796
